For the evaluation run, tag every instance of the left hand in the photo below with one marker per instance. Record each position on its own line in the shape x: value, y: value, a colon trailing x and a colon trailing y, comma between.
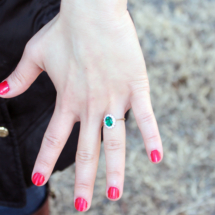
x: 96, y: 64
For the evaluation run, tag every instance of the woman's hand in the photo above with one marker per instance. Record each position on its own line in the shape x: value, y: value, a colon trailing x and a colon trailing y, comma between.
x: 94, y: 59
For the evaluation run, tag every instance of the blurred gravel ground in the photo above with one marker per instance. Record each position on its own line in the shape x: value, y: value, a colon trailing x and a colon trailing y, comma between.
x: 178, y: 41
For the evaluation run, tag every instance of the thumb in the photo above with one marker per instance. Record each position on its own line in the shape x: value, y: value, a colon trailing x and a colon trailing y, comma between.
x: 22, y: 77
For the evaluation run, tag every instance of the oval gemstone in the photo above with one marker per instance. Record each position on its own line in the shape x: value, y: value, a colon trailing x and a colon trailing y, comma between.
x: 108, y: 121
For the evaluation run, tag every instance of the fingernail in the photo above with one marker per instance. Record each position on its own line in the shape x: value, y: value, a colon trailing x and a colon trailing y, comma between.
x: 38, y: 179
x: 4, y: 87
x: 155, y: 156
x: 113, y: 193
x: 80, y: 204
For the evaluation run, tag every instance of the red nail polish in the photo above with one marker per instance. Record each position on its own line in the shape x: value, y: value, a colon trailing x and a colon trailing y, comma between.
x: 4, y: 87
x: 38, y: 179
x: 113, y: 193
x: 155, y: 156
x: 80, y: 204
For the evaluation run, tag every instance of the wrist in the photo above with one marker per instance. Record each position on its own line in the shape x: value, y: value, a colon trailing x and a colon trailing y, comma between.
x: 93, y: 8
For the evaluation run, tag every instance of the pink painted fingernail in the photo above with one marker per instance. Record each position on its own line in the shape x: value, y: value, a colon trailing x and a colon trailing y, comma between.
x: 80, y: 204
x: 155, y: 156
x: 38, y: 179
x: 4, y: 87
x: 113, y: 193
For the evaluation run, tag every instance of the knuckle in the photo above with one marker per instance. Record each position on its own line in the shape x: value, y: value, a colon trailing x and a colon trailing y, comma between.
x: 82, y: 185
x: 64, y: 103
x: 52, y: 141
x: 83, y: 156
x: 140, y: 86
x: 65, y: 98
x: 29, y: 48
x: 44, y: 163
x: 65, y: 109
x: 116, y: 174
x: 152, y: 138
x: 32, y: 49
x: 92, y: 107
x: 146, y: 118
x: 18, y: 78
x: 91, y: 101
x: 113, y: 145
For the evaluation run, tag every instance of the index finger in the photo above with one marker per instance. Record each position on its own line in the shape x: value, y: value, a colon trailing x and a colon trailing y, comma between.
x: 54, y: 139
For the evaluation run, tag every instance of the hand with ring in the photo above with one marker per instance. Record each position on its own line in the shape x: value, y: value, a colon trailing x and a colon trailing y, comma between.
x: 92, y: 55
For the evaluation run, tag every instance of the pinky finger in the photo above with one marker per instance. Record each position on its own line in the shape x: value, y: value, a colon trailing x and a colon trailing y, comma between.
x: 144, y: 115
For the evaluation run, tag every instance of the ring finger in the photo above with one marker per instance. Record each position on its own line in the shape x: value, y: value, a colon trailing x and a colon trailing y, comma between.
x: 114, y: 144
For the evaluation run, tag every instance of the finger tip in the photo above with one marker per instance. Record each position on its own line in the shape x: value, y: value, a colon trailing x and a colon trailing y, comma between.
x: 38, y: 179
x: 4, y: 88
x: 113, y: 194
x: 156, y: 156
x: 81, y: 204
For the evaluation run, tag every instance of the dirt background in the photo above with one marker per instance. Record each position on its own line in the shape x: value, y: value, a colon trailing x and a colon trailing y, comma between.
x: 178, y: 42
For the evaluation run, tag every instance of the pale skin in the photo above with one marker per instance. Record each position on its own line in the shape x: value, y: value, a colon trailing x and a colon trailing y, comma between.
x: 91, y: 52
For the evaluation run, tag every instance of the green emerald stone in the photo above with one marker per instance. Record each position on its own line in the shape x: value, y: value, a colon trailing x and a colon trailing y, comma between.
x: 109, y: 121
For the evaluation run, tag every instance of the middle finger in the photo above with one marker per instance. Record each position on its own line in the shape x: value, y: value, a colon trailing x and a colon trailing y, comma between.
x: 87, y: 157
